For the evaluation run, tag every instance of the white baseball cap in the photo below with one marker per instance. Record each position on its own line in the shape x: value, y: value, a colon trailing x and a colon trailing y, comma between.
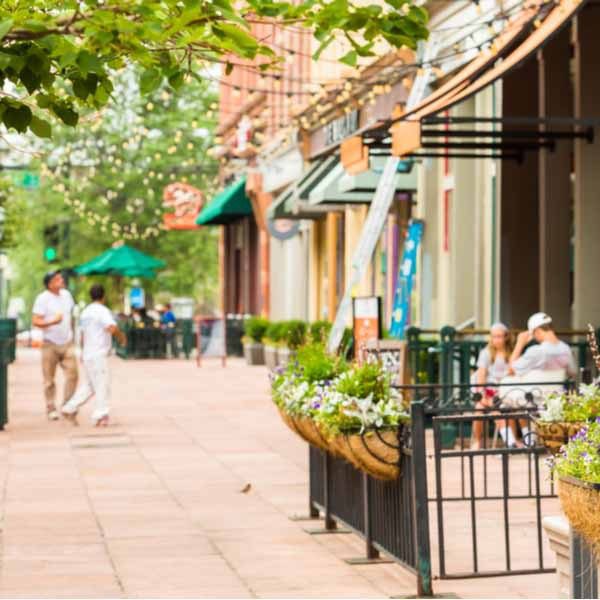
x: 537, y: 320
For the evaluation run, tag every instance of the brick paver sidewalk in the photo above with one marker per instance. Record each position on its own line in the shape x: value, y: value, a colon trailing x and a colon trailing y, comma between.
x: 153, y: 505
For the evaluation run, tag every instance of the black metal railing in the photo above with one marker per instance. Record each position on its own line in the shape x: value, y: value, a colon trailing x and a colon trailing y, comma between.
x: 463, y: 486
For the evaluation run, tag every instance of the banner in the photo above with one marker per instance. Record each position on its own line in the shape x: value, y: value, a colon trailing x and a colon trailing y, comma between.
x: 378, y: 212
x: 406, y: 279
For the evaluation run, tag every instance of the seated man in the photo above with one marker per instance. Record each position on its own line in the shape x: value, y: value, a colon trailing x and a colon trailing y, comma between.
x: 550, y: 360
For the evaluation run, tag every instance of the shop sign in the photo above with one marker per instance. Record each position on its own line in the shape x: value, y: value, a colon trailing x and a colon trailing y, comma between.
x: 186, y: 202
x: 341, y: 128
x: 282, y: 170
x: 366, y: 322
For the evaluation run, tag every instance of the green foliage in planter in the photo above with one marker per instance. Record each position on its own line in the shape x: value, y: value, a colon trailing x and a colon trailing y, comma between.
x: 313, y: 363
x: 573, y: 407
x: 294, y: 333
x: 580, y: 458
x: 255, y: 329
x: 319, y: 331
x: 274, y: 333
x: 365, y: 380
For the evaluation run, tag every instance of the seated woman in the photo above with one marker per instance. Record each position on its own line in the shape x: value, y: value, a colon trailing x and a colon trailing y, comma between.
x: 492, y: 367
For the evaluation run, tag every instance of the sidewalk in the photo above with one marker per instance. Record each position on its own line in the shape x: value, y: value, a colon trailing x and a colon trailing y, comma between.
x: 152, y: 506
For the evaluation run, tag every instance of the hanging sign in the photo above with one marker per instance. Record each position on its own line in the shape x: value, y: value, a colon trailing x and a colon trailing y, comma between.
x: 186, y: 202
x: 405, y: 280
x: 371, y: 232
x: 137, y: 297
x: 366, y: 322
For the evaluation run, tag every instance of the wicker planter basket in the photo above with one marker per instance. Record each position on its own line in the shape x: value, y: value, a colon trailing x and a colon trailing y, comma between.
x: 554, y: 434
x: 270, y: 353
x: 254, y: 353
x: 288, y: 420
x: 339, y: 446
x: 377, y: 452
x: 310, y: 432
x: 580, y: 502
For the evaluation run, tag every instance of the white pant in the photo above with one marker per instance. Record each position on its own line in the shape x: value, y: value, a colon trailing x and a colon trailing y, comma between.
x: 97, y: 383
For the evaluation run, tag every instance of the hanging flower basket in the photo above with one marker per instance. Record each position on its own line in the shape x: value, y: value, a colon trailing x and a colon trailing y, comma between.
x: 339, y: 446
x: 288, y: 420
x: 555, y: 434
x: 580, y: 502
x: 308, y: 431
x: 377, y: 452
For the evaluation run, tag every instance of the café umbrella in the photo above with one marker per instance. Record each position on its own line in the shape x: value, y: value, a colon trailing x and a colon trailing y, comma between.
x: 122, y: 261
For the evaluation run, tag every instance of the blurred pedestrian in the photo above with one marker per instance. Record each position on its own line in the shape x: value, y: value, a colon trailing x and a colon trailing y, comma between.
x: 98, y: 327
x: 52, y: 313
x: 168, y: 323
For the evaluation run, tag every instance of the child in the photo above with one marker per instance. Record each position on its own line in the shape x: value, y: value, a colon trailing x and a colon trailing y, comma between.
x: 97, y: 329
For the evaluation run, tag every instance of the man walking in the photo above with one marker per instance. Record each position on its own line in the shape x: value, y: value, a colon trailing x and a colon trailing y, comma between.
x: 52, y: 313
x: 97, y: 329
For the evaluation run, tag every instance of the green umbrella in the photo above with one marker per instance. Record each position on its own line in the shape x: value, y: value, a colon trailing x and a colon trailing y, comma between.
x: 121, y: 260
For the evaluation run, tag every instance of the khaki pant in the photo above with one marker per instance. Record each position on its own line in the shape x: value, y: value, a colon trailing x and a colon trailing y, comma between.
x: 63, y: 355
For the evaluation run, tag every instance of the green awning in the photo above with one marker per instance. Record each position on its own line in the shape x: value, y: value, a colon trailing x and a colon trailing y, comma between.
x: 228, y: 206
x: 293, y: 203
x: 338, y: 187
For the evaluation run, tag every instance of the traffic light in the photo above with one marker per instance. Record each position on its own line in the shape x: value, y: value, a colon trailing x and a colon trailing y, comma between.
x: 51, y: 243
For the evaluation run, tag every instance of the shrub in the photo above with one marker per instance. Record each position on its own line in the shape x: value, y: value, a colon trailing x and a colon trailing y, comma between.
x: 255, y: 328
x: 274, y: 332
x: 294, y: 333
x: 319, y: 331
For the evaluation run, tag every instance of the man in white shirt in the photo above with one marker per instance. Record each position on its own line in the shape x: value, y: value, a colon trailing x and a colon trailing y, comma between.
x: 97, y: 327
x: 52, y: 313
x: 540, y: 370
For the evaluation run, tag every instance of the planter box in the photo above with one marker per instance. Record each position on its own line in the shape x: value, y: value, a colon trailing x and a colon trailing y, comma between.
x: 270, y: 354
x: 284, y: 355
x: 254, y: 353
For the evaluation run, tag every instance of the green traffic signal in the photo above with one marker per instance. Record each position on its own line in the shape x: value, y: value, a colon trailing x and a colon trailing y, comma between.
x: 50, y: 254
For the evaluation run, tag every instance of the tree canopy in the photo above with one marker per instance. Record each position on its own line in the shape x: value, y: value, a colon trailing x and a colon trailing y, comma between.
x: 106, y: 179
x: 61, y: 56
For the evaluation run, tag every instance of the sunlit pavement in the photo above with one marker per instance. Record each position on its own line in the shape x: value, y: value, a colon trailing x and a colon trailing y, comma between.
x: 153, y: 505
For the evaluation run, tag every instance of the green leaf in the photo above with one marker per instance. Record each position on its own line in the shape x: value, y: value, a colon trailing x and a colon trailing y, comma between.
x: 80, y: 89
x: 350, y: 58
x: 176, y: 80
x: 5, y: 27
x: 17, y: 116
x: 30, y: 80
x: 65, y: 113
x: 150, y: 80
x: 88, y: 63
x: 40, y: 127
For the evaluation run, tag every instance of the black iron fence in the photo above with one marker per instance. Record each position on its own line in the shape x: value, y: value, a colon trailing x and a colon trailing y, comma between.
x: 488, y: 498
x: 387, y: 514
x: 448, y: 356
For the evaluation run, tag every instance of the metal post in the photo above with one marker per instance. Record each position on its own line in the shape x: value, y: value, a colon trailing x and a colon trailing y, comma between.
x: 584, y: 571
x: 420, y: 501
